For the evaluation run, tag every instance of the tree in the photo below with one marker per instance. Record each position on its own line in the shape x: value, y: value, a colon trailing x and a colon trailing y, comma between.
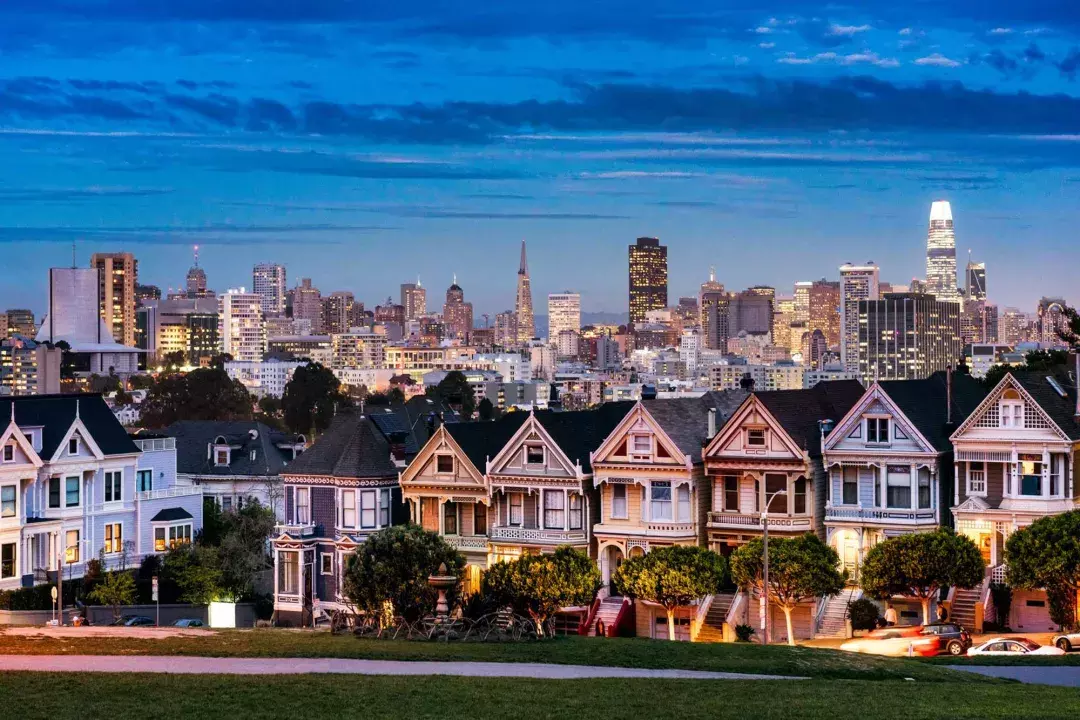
x: 393, y: 565
x: 203, y: 394
x: 175, y: 359
x: 456, y: 391
x: 116, y: 589
x: 800, y: 569
x: 243, y: 547
x: 196, y: 571
x: 540, y: 585
x: 673, y: 576
x: 1034, y: 360
x: 311, y: 398
x: 1046, y: 554
x: 486, y: 410
x: 921, y: 564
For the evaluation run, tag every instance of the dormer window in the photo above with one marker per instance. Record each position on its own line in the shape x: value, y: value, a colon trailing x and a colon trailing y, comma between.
x: 755, y: 437
x: 73, y: 445
x: 534, y: 454
x: 444, y: 464
x: 1012, y: 410
x: 642, y: 445
x: 877, y: 430
x: 9, y: 453
x: 221, y: 457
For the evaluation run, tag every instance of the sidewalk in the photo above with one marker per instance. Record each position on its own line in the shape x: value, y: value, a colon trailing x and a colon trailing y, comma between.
x: 301, y: 666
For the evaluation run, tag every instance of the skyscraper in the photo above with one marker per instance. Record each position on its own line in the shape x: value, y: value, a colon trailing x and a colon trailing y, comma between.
x: 564, y: 313
x: 457, y: 314
x: 241, y: 329
x: 336, y: 310
x: 117, y: 277
x: 1051, y: 320
x: 648, y: 278
x: 802, y: 301
x: 715, y: 303
x: 268, y: 282
x: 21, y: 322
x: 941, y: 253
x: 824, y: 310
x: 196, y: 279
x: 414, y: 300
x: 307, y: 305
x: 975, y: 287
x: 907, y: 336
x: 523, y: 305
x: 857, y: 283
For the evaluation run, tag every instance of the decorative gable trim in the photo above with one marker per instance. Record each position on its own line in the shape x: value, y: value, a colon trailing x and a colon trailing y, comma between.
x: 639, y: 418
x: 531, y: 431
x: 990, y: 402
x: 84, y: 436
x: 734, y: 426
x: 14, y: 433
x: 873, y: 396
x: 439, y: 443
x: 972, y: 504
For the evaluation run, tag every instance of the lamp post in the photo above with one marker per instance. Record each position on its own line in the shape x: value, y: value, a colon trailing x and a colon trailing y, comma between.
x: 765, y: 558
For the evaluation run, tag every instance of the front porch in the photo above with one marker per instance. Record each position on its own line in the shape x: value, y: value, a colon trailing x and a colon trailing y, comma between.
x: 740, y: 494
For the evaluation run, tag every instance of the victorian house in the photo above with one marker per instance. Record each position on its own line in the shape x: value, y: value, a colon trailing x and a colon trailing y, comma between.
x: 767, y: 456
x: 338, y: 492
x: 1016, y: 459
x: 74, y: 487
x: 889, y: 462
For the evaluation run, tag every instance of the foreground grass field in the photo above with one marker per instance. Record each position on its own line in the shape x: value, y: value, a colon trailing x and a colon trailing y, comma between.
x: 56, y: 697
x: 639, y: 653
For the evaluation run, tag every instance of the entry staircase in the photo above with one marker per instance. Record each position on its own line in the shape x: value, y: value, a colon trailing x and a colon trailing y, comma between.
x: 963, y: 607
x: 832, y: 618
x: 609, y: 613
x: 712, y: 630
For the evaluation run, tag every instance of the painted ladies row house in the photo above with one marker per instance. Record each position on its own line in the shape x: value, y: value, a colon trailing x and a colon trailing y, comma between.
x: 1016, y: 460
x: 74, y: 486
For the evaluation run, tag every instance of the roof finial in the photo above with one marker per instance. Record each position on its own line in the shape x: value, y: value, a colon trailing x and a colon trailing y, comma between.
x: 196, y: 256
x: 455, y: 279
x: 712, y: 273
x: 418, y: 281
x: 524, y: 269
x: 76, y: 408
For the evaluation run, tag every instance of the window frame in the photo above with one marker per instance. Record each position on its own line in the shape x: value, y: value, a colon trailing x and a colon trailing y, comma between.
x: 439, y: 458
x: 221, y: 457
x: 451, y: 515
x: 1011, y: 414
x: 615, y: 500
x: 113, y: 538
x: 323, y: 558
x: 554, y: 517
x: 68, y: 491
x: 660, y: 503
x: 576, y: 510
x: 844, y: 483
x: 531, y: 449
x: 756, y: 432
x: 519, y: 506
x: 288, y: 569
x: 899, y: 488
x: 878, y: 430
x: 140, y: 476
x: 348, y: 506
x: 71, y: 549
x: 365, y: 509
x: 114, y: 486
x: 302, y: 510
x: 968, y: 485
x: 635, y: 450
x: 9, y: 452
x: 384, y: 507
x: 730, y: 489
x: 12, y: 562
x: 682, y: 503
x: 73, y: 445
x: 12, y: 502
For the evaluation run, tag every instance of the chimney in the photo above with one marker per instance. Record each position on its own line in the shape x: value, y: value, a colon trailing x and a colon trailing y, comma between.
x: 948, y: 395
x: 712, y: 423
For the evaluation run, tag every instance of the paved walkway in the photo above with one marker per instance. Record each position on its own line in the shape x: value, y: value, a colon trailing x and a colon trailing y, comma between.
x: 299, y: 666
x: 1065, y: 676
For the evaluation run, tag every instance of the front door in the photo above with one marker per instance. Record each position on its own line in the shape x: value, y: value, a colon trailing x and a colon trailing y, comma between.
x: 850, y: 557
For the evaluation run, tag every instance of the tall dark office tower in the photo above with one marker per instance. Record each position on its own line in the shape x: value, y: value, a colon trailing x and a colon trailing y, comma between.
x: 907, y: 336
x: 976, y: 281
x: 648, y: 278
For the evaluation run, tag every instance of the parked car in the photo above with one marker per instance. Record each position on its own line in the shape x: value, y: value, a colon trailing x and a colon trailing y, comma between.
x: 895, y: 641
x: 1067, y: 642
x: 133, y: 621
x: 955, y: 640
x: 1013, y: 647
x: 189, y: 623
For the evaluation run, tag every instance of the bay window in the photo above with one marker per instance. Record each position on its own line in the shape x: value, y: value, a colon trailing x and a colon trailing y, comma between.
x: 898, y: 486
x: 1029, y: 468
x: 775, y: 503
x: 924, y: 489
x: 303, y: 506
x: 348, y: 508
x: 367, y: 509
x: 850, y: 480
x: 288, y: 572
x: 554, y: 509
x: 517, y: 512
x: 167, y: 537
x: 384, y: 508
x: 618, y: 502
x: 660, y: 501
x: 682, y: 498
x: 577, y: 512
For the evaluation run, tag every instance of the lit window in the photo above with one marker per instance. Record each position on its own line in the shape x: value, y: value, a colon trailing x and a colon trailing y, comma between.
x: 288, y: 572
x: 159, y: 539
x: 179, y: 535
x: 71, y: 546
x: 114, y: 539
x: 755, y: 437
x: 221, y: 457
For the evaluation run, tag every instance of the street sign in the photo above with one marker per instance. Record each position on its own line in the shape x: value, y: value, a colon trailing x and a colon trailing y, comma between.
x: 154, y: 587
x: 54, y: 592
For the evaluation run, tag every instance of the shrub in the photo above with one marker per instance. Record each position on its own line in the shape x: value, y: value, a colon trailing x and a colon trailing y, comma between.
x: 743, y: 633
x: 864, y: 614
x: 538, y: 586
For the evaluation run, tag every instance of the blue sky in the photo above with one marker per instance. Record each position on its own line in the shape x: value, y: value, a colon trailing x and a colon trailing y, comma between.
x: 363, y: 144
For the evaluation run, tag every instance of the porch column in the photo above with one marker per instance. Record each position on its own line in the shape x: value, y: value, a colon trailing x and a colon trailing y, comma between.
x: 994, y: 544
x: 913, y: 501
x: 883, y: 482
x: 442, y: 517
x: 1044, y: 481
x: 276, y: 561
x: 956, y: 480
x: 790, y: 495
x: 566, y: 510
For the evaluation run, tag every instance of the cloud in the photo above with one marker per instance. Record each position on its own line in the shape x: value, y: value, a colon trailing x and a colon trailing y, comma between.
x: 220, y: 234
x: 343, y: 166
x: 847, y: 30
x: 1033, y: 53
x: 866, y: 57
x: 1000, y: 62
x: 1070, y: 64
x: 76, y: 194
x: 937, y: 60
x: 436, y: 213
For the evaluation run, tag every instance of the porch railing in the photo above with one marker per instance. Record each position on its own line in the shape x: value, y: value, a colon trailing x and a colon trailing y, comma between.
x: 882, y: 514
x: 171, y: 492
x: 467, y: 542
x: 512, y: 534
x: 999, y: 573
x: 778, y: 521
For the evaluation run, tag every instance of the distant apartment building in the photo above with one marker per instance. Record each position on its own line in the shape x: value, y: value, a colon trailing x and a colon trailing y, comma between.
x: 307, y: 305
x: 907, y: 336
x: 781, y: 376
x: 185, y: 325
x: 117, y: 278
x: 21, y: 322
x: 361, y: 348
x: 241, y: 330
x: 986, y: 355
x: 857, y: 283
x: 336, y: 312
x: 316, y: 348
x: 414, y: 300
x: 824, y: 311
x: 457, y: 314
x: 564, y: 313
x: 268, y: 282
x: 28, y: 368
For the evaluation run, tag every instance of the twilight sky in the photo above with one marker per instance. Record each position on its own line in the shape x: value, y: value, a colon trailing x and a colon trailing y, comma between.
x: 364, y: 143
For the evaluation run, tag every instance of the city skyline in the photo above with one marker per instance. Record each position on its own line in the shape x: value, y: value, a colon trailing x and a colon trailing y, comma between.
x: 803, y: 140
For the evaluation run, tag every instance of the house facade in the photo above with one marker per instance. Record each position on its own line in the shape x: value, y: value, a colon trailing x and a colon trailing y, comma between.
x: 1015, y: 461
x: 235, y: 461
x: 768, y: 456
x: 889, y: 462
x: 74, y: 487
x: 336, y: 494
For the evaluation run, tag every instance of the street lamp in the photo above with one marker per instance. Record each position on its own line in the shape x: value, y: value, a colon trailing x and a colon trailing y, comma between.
x: 765, y: 542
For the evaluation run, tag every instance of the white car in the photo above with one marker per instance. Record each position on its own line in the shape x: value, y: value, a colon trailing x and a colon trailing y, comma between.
x: 1012, y: 647
x: 1067, y: 642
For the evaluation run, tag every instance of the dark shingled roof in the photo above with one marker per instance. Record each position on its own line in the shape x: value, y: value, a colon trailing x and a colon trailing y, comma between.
x: 800, y: 411
x: 580, y: 432
x: 169, y: 514
x: 923, y: 403
x: 352, y: 447
x: 194, y: 437
x: 55, y: 414
x: 482, y: 440
x: 686, y: 420
x: 1062, y: 410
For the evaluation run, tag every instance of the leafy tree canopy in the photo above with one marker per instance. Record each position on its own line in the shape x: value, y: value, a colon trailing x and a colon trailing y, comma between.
x: 672, y: 576
x: 1046, y: 554
x: 486, y: 410
x: 920, y: 565
x: 1034, y: 360
x: 455, y: 390
x: 203, y: 394
x: 393, y: 565
x: 115, y: 589
x: 539, y: 585
x: 196, y: 571
x: 311, y: 398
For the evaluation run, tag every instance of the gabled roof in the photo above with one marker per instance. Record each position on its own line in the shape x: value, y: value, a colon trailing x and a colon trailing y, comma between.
x: 193, y: 438
x: 800, y: 411
x: 578, y: 433
x: 484, y: 439
x: 353, y: 446
x: 55, y: 414
x: 923, y: 404
x: 686, y: 420
x: 1062, y: 410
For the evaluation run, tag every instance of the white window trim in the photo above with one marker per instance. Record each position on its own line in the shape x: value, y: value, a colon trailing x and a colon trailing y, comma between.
x: 104, y: 531
x: 15, y: 558
x: 967, y: 482
x: 74, y: 439
x: 15, y: 486
x: 543, y: 455
x: 306, y: 505
x: 453, y: 464
x: 167, y: 526
x: 764, y: 437
x: 633, y: 449
x: 1006, y: 410
x: 626, y: 502
x: 347, y: 505
x: 323, y: 557
x: 888, y: 428
x: 228, y: 456
x: 10, y: 447
x: 107, y: 475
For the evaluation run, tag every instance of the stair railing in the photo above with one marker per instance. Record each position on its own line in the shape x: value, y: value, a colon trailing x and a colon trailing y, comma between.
x: 699, y: 617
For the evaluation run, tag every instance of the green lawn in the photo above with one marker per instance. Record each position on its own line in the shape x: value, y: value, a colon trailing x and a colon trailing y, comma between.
x: 731, y: 657
x: 29, y: 696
